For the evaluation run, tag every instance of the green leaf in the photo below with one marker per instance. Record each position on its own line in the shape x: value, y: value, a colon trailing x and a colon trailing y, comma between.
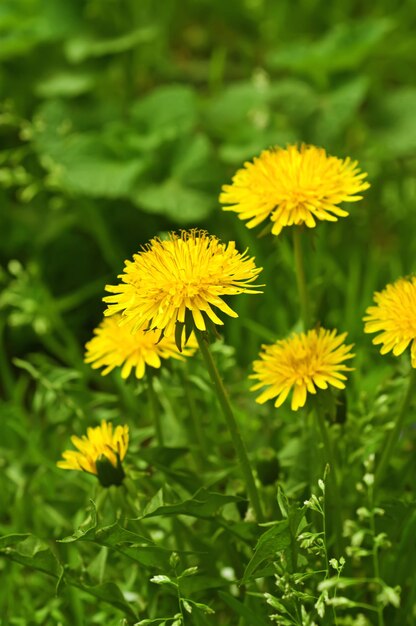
x: 107, y: 592
x: 203, y: 504
x: 65, y: 85
x: 81, y: 48
x: 343, y: 48
x: 134, y: 546
x: 273, y: 541
x: 167, y: 112
x: 180, y: 203
x: 251, y: 617
x: 81, y: 163
x: 339, y: 108
x: 396, y: 134
x: 30, y: 551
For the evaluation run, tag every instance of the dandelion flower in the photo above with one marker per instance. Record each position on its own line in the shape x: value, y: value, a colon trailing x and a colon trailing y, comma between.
x: 302, y: 363
x: 293, y: 186
x: 100, y: 452
x: 394, y: 317
x: 186, y: 275
x: 115, y: 346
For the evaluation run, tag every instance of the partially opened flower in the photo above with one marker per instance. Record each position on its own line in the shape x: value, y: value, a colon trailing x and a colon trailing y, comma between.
x: 100, y: 452
x: 116, y: 346
x: 296, y: 185
x: 185, y: 276
x: 302, y: 364
x: 394, y: 317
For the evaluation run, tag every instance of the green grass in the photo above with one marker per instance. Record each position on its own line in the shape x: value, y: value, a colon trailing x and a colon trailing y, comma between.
x: 120, y: 121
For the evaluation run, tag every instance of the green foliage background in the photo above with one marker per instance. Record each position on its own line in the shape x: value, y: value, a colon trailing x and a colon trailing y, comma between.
x: 119, y: 120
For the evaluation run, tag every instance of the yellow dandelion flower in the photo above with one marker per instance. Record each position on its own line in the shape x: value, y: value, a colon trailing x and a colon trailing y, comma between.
x: 394, y: 317
x: 302, y: 363
x: 116, y: 346
x: 186, y: 275
x: 293, y: 186
x: 100, y: 452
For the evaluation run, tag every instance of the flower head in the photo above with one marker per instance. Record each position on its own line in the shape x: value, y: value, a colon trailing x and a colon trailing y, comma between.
x: 115, y: 346
x: 100, y: 452
x: 394, y: 317
x: 185, y: 276
x: 302, y: 363
x: 293, y: 186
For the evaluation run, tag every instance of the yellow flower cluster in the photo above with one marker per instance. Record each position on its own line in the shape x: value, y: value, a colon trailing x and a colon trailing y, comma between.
x: 181, y: 284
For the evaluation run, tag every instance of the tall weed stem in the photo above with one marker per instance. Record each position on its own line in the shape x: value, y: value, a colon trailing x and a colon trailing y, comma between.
x: 232, y: 424
x: 333, y: 477
x: 300, y: 278
x: 394, y: 435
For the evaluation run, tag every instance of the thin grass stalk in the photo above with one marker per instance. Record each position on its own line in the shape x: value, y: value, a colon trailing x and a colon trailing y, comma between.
x: 301, y: 279
x: 393, y: 436
x: 154, y: 408
x: 333, y: 477
x: 233, y: 428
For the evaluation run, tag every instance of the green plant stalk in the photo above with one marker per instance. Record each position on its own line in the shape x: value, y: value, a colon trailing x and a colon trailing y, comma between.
x: 6, y: 375
x: 330, y: 459
x: 376, y: 564
x: 154, y: 409
x: 196, y: 423
x: 300, y: 278
x: 394, y: 435
x: 232, y: 424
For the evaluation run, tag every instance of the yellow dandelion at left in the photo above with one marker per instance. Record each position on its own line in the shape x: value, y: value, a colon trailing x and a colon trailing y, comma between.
x: 293, y: 186
x: 115, y: 346
x: 187, y: 275
x: 394, y: 318
x: 302, y: 364
x: 99, y: 452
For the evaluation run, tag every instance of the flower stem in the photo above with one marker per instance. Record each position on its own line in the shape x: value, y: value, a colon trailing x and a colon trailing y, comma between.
x: 394, y: 435
x: 330, y: 459
x: 376, y: 564
x: 232, y: 424
x: 202, y: 454
x: 154, y: 409
x: 300, y: 278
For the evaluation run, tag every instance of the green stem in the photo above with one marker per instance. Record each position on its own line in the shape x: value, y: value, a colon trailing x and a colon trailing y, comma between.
x: 300, y: 278
x: 330, y: 459
x: 154, y: 409
x: 6, y: 375
x: 394, y: 435
x: 376, y: 564
x: 196, y: 422
x: 231, y: 423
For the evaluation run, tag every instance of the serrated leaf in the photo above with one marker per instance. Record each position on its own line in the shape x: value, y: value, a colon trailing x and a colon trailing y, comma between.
x: 30, y: 551
x: 129, y: 543
x: 273, y: 541
x: 203, y: 504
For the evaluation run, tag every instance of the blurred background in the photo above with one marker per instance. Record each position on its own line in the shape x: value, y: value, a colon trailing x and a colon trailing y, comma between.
x: 121, y: 120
